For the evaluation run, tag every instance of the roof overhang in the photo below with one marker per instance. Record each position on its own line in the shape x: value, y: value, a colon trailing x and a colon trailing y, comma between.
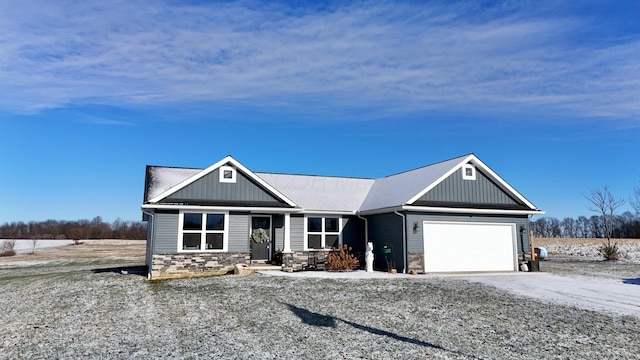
x: 328, y: 212
x: 254, y: 209
x: 470, y: 210
x: 269, y: 210
x: 451, y: 210
x: 226, y: 160
x: 471, y: 158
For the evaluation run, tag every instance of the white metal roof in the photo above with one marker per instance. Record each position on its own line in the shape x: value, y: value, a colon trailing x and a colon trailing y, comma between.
x: 162, y: 179
x: 325, y: 193
x: 398, y: 189
x: 321, y: 193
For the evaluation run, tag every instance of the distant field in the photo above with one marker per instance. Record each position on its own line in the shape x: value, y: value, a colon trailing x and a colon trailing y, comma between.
x: 63, y: 251
x: 582, y: 241
x: 587, y: 248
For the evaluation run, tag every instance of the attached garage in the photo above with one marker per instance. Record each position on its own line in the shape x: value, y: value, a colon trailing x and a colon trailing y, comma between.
x: 468, y: 246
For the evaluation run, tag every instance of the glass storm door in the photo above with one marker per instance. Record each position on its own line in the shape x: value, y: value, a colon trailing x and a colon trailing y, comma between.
x: 260, y: 237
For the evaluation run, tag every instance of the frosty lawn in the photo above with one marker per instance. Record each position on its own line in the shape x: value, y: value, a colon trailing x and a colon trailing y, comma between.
x: 81, y: 310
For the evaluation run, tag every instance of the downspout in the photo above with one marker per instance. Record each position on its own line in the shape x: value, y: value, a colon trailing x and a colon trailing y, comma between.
x: 404, y: 239
x: 366, y: 230
x: 149, y: 259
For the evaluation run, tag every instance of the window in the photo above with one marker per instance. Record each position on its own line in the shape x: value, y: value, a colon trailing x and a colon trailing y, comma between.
x: 468, y: 172
x: 202, y: 232
x: 323, y: 232
x: 227, y: 174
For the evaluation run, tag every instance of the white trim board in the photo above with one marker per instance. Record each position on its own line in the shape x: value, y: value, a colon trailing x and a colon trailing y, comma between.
x: 210, y: 169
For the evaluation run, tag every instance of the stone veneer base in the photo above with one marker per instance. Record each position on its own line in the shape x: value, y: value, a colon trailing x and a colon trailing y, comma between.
x: 416, y: 261
x: 296, y: 260
x: 191, y: 263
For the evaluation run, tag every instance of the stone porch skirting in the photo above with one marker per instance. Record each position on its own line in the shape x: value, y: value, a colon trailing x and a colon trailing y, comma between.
x: 189, y: 263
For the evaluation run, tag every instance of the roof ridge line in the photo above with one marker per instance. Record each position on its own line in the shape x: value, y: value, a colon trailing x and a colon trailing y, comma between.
x: 315, y: 175
x: 425, y: 166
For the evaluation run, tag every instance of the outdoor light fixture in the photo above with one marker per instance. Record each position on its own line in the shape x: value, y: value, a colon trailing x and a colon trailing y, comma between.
x: 415, y: 227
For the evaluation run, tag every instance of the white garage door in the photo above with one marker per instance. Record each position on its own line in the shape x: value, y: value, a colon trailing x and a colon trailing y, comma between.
x: 459, y: 247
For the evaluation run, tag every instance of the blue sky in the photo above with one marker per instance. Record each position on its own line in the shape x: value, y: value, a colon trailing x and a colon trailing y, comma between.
x: 546, y: 93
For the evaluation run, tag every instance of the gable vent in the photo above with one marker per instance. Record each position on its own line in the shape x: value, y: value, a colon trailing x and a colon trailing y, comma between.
x: 468, y: 172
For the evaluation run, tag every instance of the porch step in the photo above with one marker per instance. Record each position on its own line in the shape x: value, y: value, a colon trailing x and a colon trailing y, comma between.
x: 258, y: 267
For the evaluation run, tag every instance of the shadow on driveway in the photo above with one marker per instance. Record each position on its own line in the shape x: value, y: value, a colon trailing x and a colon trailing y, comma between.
x: 317, y: 319
x: 631, y: 281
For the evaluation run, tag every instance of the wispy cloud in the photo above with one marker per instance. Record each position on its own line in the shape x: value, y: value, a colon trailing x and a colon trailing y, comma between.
x: 405, y: 57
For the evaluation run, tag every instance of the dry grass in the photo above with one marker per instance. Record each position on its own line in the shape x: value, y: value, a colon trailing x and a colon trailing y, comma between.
x: 87, y: 250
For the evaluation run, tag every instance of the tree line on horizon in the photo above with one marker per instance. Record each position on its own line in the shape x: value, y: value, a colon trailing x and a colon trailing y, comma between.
x: 75, y: 230
x: 625, y: 226
x: 607, y: 224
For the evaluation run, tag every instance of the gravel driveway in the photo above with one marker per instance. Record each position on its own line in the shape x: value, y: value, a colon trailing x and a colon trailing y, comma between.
x: 605, y: 292
x: 617, y: 296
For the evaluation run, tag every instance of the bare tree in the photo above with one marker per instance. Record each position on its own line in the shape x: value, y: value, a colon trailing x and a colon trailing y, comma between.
x: 583, y: 226
x: 635, y: 200
x: 569, y: 227
x: 603, y: 203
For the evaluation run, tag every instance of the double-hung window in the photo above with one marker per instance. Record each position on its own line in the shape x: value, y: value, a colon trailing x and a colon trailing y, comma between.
x: 323, y: 232
x: 202, y: 231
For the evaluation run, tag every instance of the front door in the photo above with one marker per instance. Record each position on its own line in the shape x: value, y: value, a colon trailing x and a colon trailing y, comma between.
x: 260, y: 237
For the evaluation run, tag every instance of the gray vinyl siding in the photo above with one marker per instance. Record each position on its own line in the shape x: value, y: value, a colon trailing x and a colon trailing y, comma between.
x: 297, y: 233
x: 480, y: 191
x: 238, y: 232
x: 209, y: 188
x: 278, y: 231
x: 386, y: 229
x: 415, y: 241
x: 353, y: 233
x: 166, y: 233
x: 149, y: 248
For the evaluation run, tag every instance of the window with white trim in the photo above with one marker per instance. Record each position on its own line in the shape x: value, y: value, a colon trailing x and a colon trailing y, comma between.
x: 202, y: 231
x: 322, y: 232
x: 227, y: 174
x: 468, y: 172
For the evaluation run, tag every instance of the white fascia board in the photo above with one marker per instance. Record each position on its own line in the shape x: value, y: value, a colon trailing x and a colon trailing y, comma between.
x: 379, y: 211
x: 221, y: 208
x: 495, y: 176
x: 479, y: 164
x: 210, y: 169
x: 262, y: 182
x: 190, y: 180
x: 441, y: 179
x: 472, y: 211
x: 328, y: 212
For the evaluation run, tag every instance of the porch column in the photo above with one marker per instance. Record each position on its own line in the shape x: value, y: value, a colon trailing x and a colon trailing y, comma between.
x: 287, y: 233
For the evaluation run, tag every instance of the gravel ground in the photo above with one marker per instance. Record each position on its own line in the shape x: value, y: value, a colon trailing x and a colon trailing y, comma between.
x: 68, y: 307
x: 87, y: 310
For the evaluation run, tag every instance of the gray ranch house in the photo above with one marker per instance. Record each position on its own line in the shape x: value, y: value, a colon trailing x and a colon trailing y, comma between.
x: 453, y: 216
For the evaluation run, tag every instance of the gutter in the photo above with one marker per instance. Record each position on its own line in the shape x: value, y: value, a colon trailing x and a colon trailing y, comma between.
x: 404, y: 240
x: 220, y: 208
x: 451, y: 210
x: 471, y: 211
x: 150, y: 243
x: 366, y: 231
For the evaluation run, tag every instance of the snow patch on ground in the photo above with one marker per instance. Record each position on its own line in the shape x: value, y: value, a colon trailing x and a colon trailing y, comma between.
x: 630, y: 251
x: 21, y: 245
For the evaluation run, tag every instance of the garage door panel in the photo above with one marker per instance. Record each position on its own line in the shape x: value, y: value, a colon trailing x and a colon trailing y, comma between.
x: 460, y: 247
